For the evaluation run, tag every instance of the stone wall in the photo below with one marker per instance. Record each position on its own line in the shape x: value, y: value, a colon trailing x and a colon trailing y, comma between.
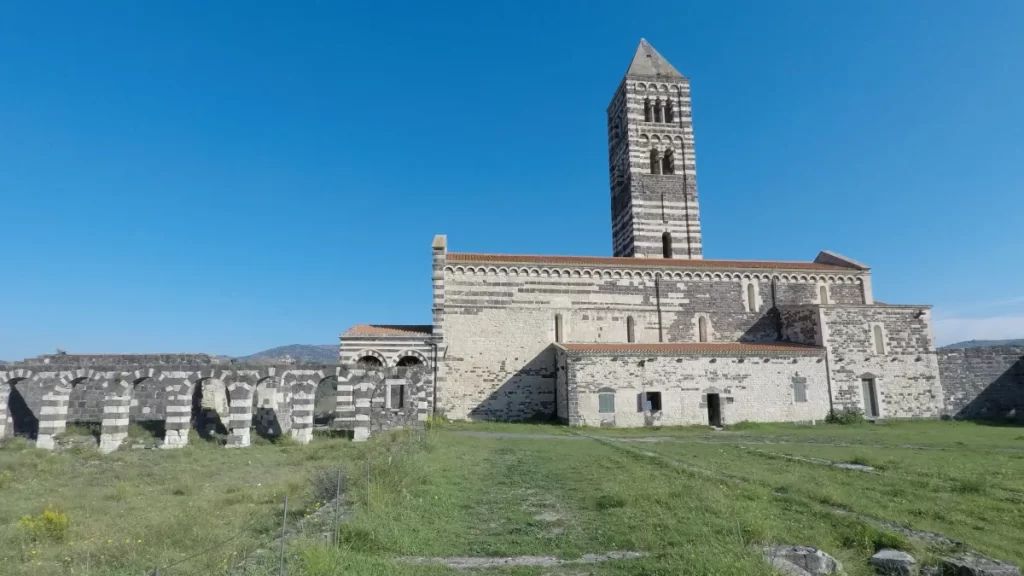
x: 906, y: 374
x: 499, y: 321
x: 751, y: 388
x: 982, y: 383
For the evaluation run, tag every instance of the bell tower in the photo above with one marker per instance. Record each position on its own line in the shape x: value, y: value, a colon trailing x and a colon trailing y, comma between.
x: 651, y: 162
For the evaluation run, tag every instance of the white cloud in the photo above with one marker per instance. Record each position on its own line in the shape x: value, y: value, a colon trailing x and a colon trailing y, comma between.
x: 950, y: 330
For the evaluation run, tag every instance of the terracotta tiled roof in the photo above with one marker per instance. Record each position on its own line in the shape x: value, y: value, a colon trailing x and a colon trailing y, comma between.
x: 466, y: 258
x: 388, y: 330
x: 698, y: 348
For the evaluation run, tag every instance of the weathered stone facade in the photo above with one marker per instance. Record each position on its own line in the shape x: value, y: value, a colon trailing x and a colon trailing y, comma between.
x: 757, y: 383
x: 507, y: 324
x: 983, y: 383
x: 39, y: 397
x: 500, y: 315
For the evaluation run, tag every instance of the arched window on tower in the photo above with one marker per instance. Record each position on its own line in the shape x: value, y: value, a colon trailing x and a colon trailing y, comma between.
x: 668, y: 162
x: 659, y: 115
x: 648, y: 113
x: 558, y: 327
x: 655, y: 162
x: 751, y: 298
x: 630, y: 329
x: 666, y: 244
x: 823, y: 294
x: 702, y: 329
x: 670, y: 115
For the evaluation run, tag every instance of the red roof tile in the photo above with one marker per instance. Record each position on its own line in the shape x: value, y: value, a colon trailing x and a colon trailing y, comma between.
x: 467, y: 257
x: 388, y: 330
x: 698, y: 348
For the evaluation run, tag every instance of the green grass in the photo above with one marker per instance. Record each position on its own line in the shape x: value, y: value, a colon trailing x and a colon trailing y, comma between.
x: 698, y: 502
x: 137, y: 509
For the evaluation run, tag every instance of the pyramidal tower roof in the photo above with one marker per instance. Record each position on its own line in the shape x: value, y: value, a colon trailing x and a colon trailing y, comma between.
x: 647, y: 62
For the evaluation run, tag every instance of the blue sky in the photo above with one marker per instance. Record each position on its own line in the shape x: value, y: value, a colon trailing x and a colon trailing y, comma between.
x: 227, y: 177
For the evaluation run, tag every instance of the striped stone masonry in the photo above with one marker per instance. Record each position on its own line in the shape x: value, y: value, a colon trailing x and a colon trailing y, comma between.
x: 276, y: 400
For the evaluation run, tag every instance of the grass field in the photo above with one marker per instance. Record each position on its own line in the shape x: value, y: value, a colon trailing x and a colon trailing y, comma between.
x: 693, y: 501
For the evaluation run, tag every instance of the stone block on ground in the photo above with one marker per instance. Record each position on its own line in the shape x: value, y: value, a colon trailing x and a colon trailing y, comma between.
x: 971, y: 565
x: 806, y: 559
x: 894, y: 562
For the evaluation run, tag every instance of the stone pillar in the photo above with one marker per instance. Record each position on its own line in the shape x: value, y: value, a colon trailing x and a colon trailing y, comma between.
x: 179, y: 412
x: 5, y: 393
x: 240, y: 423
x: 440, y: 259
x: 303, y: 392
x: 345, y: 407
x: 418, y: 383
x: 114, y: 428
x: 53, y: 414
x: 366, y: 381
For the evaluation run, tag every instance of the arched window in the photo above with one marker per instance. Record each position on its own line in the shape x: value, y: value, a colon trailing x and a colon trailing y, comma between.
x: 666, y: 244
x: 879, y: 341
x: 369, y: 362
x: 823, y: 294
x: 751, y: 298
x: 648, y: 113
x: 606, y: 401
x: 668, y: 162
x: 558, y: 327
x: 669, y: 113
x: 702, y: 329
x: 407, y: 361
x: 630, y: 329
x: 658, y: 111
x: 655, y: 162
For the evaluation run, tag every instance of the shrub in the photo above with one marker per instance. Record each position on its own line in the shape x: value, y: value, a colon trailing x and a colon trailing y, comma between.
x: 608, y: 501
x: 872, y: 539
x: 52, y: 524
x: 970, y: 485
x: 437, y: 421
x: 847, y: 416
x: 326, y: 483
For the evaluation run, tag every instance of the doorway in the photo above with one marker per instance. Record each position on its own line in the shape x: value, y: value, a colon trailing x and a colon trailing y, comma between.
x: 870, y: 399
x: 714, y: 410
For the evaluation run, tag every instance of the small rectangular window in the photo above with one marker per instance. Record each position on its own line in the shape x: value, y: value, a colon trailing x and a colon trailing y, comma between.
x: 799, y: 392
x: 652, y: 401
x: 606, y: 403
x: 398, y: 396
x: 558, y: 327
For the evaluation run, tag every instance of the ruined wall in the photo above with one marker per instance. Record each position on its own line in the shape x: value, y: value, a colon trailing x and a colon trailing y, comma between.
x: 38, y: 401
x: 982, y: 383
x: 500, y: 323
x: 906, y: 374
x: 85, y: 403
x: 751, y: 388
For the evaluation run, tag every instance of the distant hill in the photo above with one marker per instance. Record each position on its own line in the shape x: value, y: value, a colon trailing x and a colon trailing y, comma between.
x: 326, y: 353
x: 986, y: 343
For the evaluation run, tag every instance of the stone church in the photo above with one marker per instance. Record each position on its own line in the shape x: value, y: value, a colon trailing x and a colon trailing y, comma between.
x: 656, y: 334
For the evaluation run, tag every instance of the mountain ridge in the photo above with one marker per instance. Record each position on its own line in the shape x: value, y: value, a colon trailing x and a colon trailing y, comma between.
x: 984, y: 343
x: 323, y: 353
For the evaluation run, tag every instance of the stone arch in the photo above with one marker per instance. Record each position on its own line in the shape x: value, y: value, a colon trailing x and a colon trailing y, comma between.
x: 409, y: 353
x: 17, y: 417
x: 211, y: 404
x: 270, y: 409
x: 358, y: 358
x: 86, y: 400
x: 147, y: 390
x: 325, y: 400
